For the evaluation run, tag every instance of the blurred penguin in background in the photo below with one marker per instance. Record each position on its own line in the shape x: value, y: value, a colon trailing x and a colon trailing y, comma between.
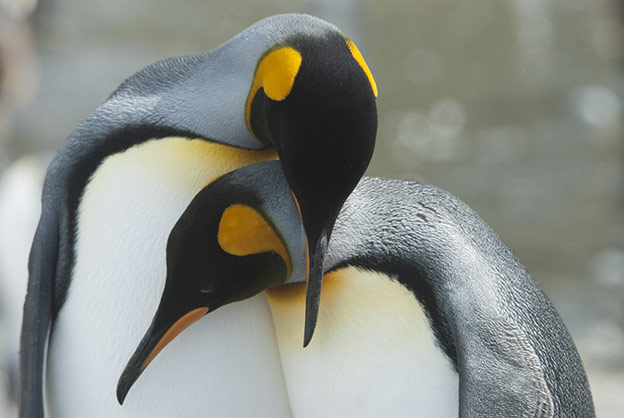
x: 20, y: 206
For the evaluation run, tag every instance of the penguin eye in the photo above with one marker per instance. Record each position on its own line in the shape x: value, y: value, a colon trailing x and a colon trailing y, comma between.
x: 209, y: 288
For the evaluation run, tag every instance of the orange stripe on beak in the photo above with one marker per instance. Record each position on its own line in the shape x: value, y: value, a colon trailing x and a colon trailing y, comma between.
x: 180, y: 325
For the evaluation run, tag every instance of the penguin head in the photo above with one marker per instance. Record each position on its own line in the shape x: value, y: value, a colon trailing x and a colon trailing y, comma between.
x: 313, y: 99
x: 240, y: 235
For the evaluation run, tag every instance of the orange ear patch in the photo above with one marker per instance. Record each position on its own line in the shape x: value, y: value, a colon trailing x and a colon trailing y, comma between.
x: 244, y: 231
x: 360, y: 59
x: 180, y: 325
x: 276, y: 74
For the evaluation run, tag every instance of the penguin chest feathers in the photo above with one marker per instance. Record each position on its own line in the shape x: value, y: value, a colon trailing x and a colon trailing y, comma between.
x: 125, y: 215
x: 373, y: 353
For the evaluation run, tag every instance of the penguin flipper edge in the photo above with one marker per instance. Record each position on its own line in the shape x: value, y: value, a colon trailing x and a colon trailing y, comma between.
x: 502, y: 375
x: 38, y: 313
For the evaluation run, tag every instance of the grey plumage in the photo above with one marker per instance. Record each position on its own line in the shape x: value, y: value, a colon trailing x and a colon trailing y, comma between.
x: 511, y: 349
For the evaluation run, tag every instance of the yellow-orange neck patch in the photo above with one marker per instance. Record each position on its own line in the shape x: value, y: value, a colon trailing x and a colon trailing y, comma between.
x: 276, y: 74
x: 244, y: 231
x: 360, y: 59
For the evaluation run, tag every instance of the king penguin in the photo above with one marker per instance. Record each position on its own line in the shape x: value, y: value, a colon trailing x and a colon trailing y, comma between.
x: 290, y: 88
x: 424, y: 311
x: 20, y: 191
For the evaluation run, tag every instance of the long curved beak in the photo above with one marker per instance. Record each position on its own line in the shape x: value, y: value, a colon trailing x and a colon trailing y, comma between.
x: 314, y: 285
x: 163, y: 330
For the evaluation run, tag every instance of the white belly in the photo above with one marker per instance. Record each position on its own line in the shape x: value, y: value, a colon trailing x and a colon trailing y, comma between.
x: 373, y: 353
x: 225, y: 365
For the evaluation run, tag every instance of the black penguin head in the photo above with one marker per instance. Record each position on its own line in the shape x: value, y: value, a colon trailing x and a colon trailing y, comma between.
x: 240, y: 235
x: 313, y: 99
x: 319, y: 112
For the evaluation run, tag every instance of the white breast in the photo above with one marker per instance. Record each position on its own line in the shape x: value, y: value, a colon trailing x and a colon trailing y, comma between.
x: 373, y: 353
x: 226, y: 364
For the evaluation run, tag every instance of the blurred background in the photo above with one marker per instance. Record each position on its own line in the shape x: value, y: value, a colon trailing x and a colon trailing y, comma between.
x: 515, y: 106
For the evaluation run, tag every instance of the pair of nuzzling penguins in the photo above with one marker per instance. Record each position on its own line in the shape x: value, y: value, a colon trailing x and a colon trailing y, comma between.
x: 236, y: 176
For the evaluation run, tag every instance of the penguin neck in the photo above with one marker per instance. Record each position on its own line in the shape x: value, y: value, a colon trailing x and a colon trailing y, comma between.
x: 373, y: 351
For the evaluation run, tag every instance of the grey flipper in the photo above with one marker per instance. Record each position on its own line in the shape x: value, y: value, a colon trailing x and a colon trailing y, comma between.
x: 38, y: 308
x: 500, y: 373
x: 514, y: 355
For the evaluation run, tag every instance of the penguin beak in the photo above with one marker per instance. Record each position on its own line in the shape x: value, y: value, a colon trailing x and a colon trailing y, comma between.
x: 162, y: 331
x: 316, y: 257
x: 240, y: 235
